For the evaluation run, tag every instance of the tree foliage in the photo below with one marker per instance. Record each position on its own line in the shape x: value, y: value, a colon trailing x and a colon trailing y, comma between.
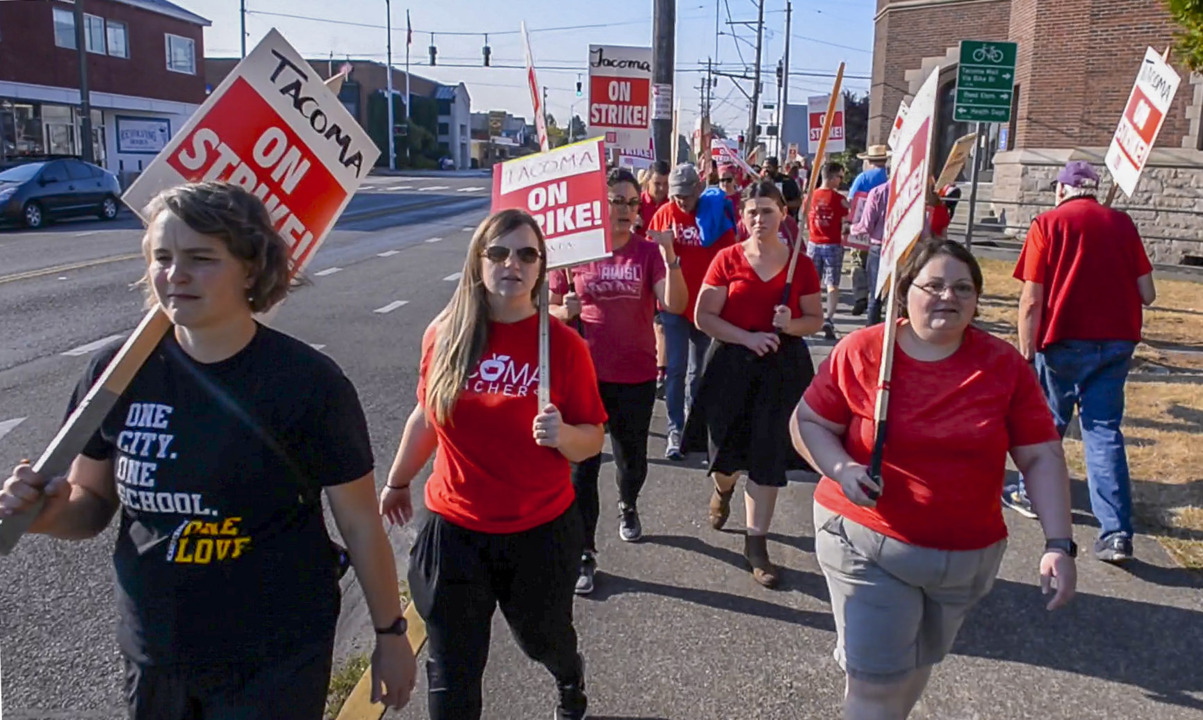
x: 1189, y: 38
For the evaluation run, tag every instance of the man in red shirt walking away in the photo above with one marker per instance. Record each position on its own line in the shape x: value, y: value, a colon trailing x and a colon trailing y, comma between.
x: 1085, y: 276
x: 655, y: 193
x: 827, y: 220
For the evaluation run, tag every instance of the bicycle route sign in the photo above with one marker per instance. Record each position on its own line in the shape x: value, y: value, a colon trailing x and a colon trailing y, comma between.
x: 985, y: 82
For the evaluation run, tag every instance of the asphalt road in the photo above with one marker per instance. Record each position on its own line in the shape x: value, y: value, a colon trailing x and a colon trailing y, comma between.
x: 377, y: 281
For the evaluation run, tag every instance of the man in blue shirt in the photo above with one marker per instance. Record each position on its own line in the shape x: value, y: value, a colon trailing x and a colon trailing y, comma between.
x: 874, y: 174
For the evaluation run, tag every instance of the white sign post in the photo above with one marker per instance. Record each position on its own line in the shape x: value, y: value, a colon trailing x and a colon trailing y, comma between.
x: 1148, y: 104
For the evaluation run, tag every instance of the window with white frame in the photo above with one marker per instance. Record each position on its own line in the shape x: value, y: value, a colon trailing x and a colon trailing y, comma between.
x: 94, y: 33
x: 118, y: 39
x: 181, y: 54
x: 64, y: 28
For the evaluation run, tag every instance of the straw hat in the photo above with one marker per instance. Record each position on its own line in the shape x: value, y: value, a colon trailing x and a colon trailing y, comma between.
x: 875, y: 152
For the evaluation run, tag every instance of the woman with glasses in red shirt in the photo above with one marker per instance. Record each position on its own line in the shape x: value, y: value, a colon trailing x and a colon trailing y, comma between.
x: 503, y: 528
x: 756, y: 369
x: 615, y: 300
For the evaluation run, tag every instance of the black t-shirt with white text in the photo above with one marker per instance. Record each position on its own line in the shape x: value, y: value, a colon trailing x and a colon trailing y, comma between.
x: 222, y: 552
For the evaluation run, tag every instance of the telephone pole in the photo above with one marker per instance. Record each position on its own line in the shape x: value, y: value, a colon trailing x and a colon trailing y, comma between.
x: 781, y: 144
x: 756, y: 82
x: 664, y: 32
x: 242, y: 17
x: 392, y: 126
x: 85, y: 102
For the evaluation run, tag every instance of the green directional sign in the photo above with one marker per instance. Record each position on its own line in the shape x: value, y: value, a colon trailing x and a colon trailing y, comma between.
x: 985, y: 81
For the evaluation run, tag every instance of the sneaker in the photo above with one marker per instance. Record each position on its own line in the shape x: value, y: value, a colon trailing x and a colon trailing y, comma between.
x: 829, y: 330
x: 1113, y: 549
x: 629, y: 529
x: 584, y: 581
x: 859, y: 307
x: 673, y: 450
x: 1017, y: 500
x: 573, y: 701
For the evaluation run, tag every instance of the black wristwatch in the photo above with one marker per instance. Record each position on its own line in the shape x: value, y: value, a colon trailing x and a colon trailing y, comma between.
x: 399, y: 627
x: 1065, y: 545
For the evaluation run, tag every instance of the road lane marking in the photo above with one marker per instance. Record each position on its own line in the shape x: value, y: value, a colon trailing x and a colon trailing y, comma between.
x: 30, y: 274
x: 87, y: 233
x: 434, y: 187
x: 468, y: 229
x: 454, y: 277
x: 391, y: 306
x: 387, y: 253
x: 316, y: 346
x: 92, y: 346
x: 9, y: 425
x: 469, y: 189
x: 397, y: 188
x: 434, y: 240
x: 327, y: 271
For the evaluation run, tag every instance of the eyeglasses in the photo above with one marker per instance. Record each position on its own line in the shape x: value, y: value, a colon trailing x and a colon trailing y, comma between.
x: 962, y: 290
x: 619, y: 202
x: 726, y: 179
x: 500, y: 253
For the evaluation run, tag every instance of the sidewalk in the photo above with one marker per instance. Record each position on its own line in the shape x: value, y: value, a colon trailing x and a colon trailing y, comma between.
x: 676, y: 629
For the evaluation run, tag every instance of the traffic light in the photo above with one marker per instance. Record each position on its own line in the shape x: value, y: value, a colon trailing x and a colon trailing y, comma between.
x: 578, y: 86
x: 780, y: 72
x: 487, y: 51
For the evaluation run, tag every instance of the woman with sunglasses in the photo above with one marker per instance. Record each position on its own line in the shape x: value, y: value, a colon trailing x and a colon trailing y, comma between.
x: 756, y: 369
x: 503, y: 528
x: 215, y: 460
x: 728, y: 180
x: 615, y: 299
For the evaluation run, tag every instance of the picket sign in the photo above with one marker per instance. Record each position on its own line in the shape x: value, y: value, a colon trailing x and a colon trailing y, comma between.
x: 956, y: 160
x: 272, y: 126
x: 804, y: 214
x: 620, y: 96
x: 905, y: 218
x: 1144, y: 114
x: 896, y: 128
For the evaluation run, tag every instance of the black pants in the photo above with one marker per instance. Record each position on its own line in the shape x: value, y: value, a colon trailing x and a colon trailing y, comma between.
x: 292, y: 687
x: 629, y: 408
x: 459, y: 576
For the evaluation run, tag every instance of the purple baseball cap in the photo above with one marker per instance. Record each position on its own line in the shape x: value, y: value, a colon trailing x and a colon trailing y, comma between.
x: 1078, y: 174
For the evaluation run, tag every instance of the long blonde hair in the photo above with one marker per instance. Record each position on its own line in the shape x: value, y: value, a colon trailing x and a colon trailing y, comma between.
x: 463, y: 327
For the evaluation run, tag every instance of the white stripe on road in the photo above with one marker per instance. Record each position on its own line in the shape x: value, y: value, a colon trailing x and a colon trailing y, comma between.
x: 9, y: 425
x: 469, y: 189
x: 316, y: 346
x: 434, y: 187
x: 92, y: 346
x: 391, y: 306
x: 387, y: 253
x: 434, y: 240
x: 454, y: 277
x: 327, y: 271
x: 87, y: 233
x: 396, y: 188
x: 469, y: 229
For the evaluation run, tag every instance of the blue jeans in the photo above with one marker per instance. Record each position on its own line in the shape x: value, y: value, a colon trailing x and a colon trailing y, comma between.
x: 686, y: 347
x: 1090, y: 376
x: 871, y: 268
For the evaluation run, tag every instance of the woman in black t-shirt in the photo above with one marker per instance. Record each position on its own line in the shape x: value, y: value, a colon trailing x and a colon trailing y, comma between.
x: 215, y: 458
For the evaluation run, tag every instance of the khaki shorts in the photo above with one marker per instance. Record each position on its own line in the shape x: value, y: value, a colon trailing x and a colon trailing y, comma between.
x: 898, y: 607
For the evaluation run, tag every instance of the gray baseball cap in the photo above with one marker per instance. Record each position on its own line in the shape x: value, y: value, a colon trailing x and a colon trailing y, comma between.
x: 683, y: 180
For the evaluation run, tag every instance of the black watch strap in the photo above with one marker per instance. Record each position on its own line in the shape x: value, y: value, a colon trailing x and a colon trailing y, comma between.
x: 399, y: 627
x: 1065, y: 545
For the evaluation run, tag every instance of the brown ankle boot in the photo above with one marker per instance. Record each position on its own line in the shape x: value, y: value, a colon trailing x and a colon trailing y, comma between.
x: 756, y: 551
x: 720, y: 507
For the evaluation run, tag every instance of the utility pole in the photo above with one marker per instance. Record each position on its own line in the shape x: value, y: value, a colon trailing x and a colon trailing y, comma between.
x: 664, y: 32
x: 85, y: 103
x: 546, y: 113
x: 392, y: 127
x: 756, y: 82
x: 242, y: 17
x: 781, y: 144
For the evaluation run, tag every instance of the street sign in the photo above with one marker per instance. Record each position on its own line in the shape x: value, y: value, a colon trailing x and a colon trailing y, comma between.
x: 816, y: 108
x: 620, y: 95
x: 985, y: 81
x: 1147, y: 107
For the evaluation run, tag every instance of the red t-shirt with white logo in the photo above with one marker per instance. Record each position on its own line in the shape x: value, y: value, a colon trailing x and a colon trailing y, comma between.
x: 687, y: 244
x: 1087, y: 257
x: 750, y: 300
x: 828, y: 209
x: 951, y: 425
x: 618, y: 302
x: 489, y: 475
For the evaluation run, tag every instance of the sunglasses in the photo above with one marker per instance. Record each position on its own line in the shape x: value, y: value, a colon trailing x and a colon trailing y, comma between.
x: 500, y: 253
x: 619, y: 202
x: 726, y: 179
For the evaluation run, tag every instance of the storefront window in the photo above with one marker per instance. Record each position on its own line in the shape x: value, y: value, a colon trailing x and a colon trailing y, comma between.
x: 21, y: 128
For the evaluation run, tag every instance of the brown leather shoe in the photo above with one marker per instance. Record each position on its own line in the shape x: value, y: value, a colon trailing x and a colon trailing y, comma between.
x: 720, y: 507
x: 756, y: 551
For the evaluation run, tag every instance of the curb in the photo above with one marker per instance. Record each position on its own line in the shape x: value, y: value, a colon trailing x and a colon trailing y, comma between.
x: 359, y: 705
x: 396, y: 209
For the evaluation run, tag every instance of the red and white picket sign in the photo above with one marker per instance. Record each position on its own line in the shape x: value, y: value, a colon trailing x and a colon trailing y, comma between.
x: 565, y: 190
x: 274, y: 128
x: 620, y: 95
x: 1148, y: 105
x: 816, y: 108
x: 896, y: 130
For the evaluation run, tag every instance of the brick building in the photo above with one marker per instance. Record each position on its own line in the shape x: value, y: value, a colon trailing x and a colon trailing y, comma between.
x: 1076, y: 65
x: 144, y: 75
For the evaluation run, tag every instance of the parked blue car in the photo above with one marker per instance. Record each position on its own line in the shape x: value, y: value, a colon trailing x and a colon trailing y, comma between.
x: 36, y: 192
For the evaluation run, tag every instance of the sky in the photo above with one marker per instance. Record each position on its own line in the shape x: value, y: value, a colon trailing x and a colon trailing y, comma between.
x: 823, y: 34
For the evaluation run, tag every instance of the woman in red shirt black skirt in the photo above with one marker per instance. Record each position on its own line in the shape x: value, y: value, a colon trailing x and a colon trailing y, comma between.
x: 756, y: 370
x: 504, y: 528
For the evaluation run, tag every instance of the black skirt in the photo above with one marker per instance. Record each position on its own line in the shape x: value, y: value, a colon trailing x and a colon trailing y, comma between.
x: 740, y: 416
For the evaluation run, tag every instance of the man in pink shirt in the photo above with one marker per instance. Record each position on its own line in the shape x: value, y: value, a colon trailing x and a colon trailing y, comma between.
x: 872, y: 223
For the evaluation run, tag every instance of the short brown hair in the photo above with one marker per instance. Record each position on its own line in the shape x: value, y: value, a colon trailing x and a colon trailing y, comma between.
x: 763, y: 189
x: 241, y: 221
x: 924, y: 252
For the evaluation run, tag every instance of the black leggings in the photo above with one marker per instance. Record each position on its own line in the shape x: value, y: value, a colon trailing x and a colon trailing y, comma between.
x: 629, y: 408
x: 459, y: 576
